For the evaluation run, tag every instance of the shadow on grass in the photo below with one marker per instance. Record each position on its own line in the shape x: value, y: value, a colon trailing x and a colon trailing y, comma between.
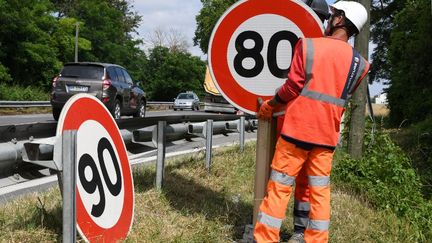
x: 189, y: 197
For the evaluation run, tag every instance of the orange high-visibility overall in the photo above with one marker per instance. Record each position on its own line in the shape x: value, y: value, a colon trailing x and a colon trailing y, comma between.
x: 301, y: 192
x: 333, y: 70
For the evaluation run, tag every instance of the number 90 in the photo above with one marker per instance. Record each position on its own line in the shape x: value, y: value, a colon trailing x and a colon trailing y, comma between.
x: 95, y: 182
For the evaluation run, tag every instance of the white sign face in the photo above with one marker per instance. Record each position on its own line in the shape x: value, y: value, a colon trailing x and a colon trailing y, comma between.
x: 99, y: 174
x: 265, y: 35
x: 251, y: 48
x: 104, y: 183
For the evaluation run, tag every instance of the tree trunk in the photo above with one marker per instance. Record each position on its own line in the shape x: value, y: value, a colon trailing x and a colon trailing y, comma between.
x: 357, y: 123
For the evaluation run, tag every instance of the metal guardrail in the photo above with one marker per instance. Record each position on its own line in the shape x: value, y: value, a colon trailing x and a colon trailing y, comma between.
x: 27, y: 104
x: 34, y: 142
x: 23, y: 104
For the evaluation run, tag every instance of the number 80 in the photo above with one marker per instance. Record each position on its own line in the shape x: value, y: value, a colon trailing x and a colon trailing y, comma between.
x: 255, y: 53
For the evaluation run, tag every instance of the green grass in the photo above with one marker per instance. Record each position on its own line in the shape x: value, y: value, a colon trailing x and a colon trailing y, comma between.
x: 15, y: 92
x: 197, y: 206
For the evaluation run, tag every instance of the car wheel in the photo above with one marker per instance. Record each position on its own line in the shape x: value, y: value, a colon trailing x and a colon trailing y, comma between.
x: 197, y: 108
x: 175, y: 109
x: 193, y: 108
x: 56, y: 113
x: 141, y: 110
x: 116, y: 111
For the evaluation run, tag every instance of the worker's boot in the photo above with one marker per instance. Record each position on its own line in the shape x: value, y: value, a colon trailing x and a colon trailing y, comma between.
x: 297, y: 237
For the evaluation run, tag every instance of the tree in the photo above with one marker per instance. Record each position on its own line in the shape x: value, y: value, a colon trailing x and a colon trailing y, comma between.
x: 171, y: 72
x: 28, y: 54
x: 383, y: 14
x: 173, y: 39
x: 206, y: 20
x: 409, y: 53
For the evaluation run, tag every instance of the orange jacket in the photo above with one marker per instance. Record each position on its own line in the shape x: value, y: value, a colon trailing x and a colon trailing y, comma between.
x: 333, y: 70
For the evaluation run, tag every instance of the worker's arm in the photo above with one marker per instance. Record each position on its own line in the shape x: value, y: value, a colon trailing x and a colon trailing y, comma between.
x: 292, y: 86
x: 296, y: 77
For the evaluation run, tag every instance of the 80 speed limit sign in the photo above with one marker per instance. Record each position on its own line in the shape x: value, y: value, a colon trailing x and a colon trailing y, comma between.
x: 252, y: 45
x: 104, y: 186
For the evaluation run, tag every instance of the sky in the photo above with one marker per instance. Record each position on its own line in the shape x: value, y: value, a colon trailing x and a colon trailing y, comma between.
x: 180, y: 16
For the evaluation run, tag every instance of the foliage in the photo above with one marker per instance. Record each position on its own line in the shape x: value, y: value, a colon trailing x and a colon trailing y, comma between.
x: 27, y: 50
x: 383, y: 13
x: 409, y: 53
x: 170, y: 72
x: 38, y: 37
x: 416, y: 140
x: 206, y: 20
x: 8, y: 92
x: 401, y: 30
x: 108, y: 26
x: 386, y: 177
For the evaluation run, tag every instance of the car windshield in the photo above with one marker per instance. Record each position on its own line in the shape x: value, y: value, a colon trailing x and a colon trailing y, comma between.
x: 185, y: 96
x: 83, y: 71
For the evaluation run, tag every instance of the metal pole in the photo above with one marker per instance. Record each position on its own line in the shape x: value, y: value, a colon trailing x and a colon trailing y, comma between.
x: 242, y: 133
x: 209, y: 137
x: 160, y: 163
x: 76, y: 41
x: 69, y: 185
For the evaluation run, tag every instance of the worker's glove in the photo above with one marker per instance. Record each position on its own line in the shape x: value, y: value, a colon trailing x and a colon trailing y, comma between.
x: 265, y: 111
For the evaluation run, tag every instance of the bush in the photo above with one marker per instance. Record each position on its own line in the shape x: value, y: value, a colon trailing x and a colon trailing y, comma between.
x: 20, y: 93
x: 386, y: 177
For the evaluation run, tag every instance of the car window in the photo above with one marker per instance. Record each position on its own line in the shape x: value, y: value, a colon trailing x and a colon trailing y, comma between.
x: 112, y: 73
x: 182, y: 96
x: 127, y: 77
x: 120, y: 75
x: 83, y: 71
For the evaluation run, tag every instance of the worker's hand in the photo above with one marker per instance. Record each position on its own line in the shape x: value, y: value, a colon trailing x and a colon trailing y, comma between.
x: 265, y: 111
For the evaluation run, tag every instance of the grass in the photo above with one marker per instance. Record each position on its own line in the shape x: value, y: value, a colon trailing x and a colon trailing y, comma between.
x: 197, y: 206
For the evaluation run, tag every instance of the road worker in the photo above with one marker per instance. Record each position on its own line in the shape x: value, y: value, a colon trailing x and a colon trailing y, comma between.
x: 324, y: 73
x: 301, y: 192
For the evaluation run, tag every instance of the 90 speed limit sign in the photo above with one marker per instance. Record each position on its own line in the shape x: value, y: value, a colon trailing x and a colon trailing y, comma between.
x: 104, y: 186
x: 252, y: 45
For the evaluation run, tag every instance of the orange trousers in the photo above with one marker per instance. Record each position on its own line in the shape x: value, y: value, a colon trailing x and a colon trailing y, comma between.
x: 301, y: 191
x: 287, y: 163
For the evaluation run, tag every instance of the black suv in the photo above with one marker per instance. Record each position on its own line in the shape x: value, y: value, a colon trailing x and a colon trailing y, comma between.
x: 110, y: 83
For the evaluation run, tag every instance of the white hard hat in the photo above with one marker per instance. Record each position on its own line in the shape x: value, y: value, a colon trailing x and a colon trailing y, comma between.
x: 354, y: 11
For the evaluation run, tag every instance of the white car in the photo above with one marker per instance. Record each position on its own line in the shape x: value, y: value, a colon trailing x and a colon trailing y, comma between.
x: 187, y: 100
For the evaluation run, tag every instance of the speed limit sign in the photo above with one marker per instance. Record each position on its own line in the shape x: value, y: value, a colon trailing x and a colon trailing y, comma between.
x: 252, y: 45
x: 104, y: 186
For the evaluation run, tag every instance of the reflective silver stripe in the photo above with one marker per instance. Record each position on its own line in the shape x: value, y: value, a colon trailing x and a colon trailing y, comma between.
x: 303, y: 206
x: 319, y: 180
x: 308, y: 76
x: 270, y: 221
x: 282, y: 178
x: 321, y: 225
x: 359, y: 73
x: 309, y: 61
x: 302, y: 222
x: 323, y: 97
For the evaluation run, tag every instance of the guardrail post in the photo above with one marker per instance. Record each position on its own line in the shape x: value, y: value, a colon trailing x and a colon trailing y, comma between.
x: 209, y: 137
x: 241, y: 129
x: 160, y: 163
x: 69, y: 185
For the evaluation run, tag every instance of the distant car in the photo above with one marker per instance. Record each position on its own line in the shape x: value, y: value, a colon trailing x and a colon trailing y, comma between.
x: 110, y: 83
x: 187, y: 100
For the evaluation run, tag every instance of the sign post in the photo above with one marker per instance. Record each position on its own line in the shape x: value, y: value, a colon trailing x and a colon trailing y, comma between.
x: 68, y: 186
x: 97, y: 178
x: 250, y: 54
